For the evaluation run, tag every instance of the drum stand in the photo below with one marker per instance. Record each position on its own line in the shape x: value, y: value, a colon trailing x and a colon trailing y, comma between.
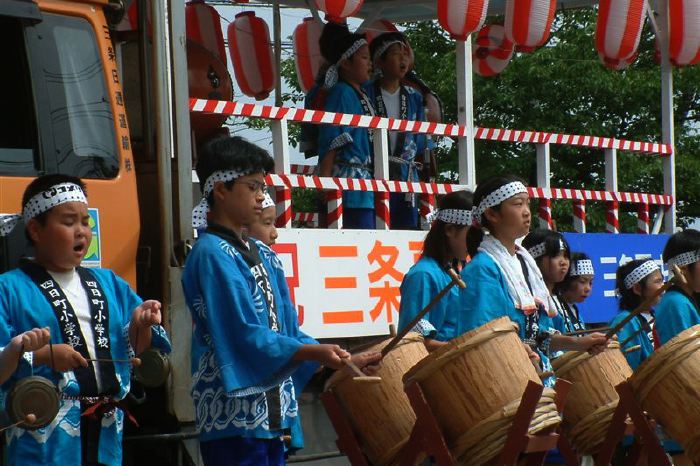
x: 427, y: 439
x: 347, y: 441
x: 646, y: 444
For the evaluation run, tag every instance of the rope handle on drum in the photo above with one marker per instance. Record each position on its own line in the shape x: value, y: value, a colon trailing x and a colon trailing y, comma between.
x: 678, y: 278
x: 456, y: 280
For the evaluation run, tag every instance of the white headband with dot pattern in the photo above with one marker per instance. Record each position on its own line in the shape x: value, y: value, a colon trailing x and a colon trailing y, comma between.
x: 496, y: 197
x: 539, y: 249
x: 640, y: 272
x: 581, y: 267
x: 199, y: 214
x: 268, y: 202
x: 43, y: 202
x: 455, y: 216
x: 681, y: 260
x: 331, y: 77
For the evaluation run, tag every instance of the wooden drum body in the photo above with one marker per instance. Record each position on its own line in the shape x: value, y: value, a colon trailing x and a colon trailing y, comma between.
x: 593, y: 398
x: 380, y: 413
x: 667, y: 385
x: 474, y: 385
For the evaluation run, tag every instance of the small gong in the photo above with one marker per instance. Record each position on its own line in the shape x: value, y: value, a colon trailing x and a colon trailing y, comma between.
x: 33, y: 395
x: 154, y: 368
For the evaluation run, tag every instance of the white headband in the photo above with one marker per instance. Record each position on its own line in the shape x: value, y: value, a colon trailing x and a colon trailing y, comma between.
x: 496, y: 197
x: 539, y: 249
x: 384, y: 47
x: 331, y: 77
x: 43, y: 202
x: 454, y: 216
x: 581, y: 267
x: 681, y: 260
x: 639, y: 273
x: 268, y: 202
x: 199, y: 214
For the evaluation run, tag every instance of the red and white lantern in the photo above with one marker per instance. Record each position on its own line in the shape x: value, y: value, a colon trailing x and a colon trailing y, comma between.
x: 684, y: 32
x: 338, y: 10
x: 491, y: 51
x: 618, y: 30
x: 528, y: 22
x: 307, y: 54
x: 378, y: 27
x: 462, y: 17
x: 203, y: 26
x: 251, y: 53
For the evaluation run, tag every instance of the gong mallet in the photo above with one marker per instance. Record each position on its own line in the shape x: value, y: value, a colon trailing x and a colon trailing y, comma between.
x: 456, y: 280
x: 133, y: 361
x: 677, y: 279
x: 29, y: 419
x: 585, y: 331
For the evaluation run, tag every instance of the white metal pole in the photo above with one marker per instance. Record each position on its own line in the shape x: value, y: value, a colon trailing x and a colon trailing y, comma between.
x: 465, y: 113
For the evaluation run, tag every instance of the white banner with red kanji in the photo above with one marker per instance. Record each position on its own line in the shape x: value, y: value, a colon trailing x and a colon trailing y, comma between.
x: 345, y: 283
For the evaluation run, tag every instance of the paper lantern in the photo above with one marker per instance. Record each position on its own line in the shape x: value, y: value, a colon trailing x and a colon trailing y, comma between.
x: 618, y: 30
x: 378, y: 27
x: 251, y: 53
x: 491, y: 51
x: 528, y: 22
x: 307, y: 56
x: 684, y: 32
x: 462, y: 17
x: 203, y: 26
x: 338, y: 10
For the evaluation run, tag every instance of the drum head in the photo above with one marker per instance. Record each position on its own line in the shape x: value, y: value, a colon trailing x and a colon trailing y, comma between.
x: 154, y: 368
x: 33, y: 395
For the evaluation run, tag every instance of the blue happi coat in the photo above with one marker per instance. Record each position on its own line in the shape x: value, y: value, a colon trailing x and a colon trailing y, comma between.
x: 236, y: 356
x: 420, y: 285
x: 674, y: 313
x: 486, y: 298
x: 23, y: 307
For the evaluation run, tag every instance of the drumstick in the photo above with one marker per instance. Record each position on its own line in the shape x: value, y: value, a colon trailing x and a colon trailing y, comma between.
x: 631, y: 337
x: 135, y: 361
x: 28, y: 419
x: 646, y: 304
x: 586, y: 330
x: 632, y: 349
x: 359, y: 375
x: 456, y: 280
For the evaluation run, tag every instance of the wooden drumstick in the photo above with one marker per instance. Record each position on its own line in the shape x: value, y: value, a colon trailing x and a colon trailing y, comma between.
x: 678, y: 278
x: 133, y: 361
x: 28, y: 420
x: 631, y: 337
x: 456, y: 280
x: 586, y: 330
x: 632, y: 349
x: 359, y: 375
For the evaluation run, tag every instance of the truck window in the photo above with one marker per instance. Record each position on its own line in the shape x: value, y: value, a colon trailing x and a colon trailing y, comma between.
x: 19, y: 151
x: 80, y: 117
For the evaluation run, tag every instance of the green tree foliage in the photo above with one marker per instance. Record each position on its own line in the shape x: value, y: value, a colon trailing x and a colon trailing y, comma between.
x: 564, y: 88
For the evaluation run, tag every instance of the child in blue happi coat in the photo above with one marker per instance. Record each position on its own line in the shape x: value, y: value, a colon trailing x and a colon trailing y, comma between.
x: 507, y: 279
x: 445, y: 247
x: 96, y: 322
x: 249, y: 357
x: 573, y: 290
x: 678, y: 309
x: 391, y: 59
x: 344, y: 151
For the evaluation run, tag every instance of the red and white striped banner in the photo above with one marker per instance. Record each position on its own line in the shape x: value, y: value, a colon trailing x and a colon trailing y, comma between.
x: 283, y: 207
x: 355, y: 184
x: 580, y: 215
x: 643, y: 218
x: 300, y: 115
x: 545, y: 213
x: 381, y: 210
x: 335, y: 209
x: 295, y: 169
x: 612, y: 221
x: 306, y: 217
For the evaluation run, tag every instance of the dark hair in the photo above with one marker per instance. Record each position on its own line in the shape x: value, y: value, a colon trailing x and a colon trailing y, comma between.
x: 551, y: 240
x: 687, y: 240
x: 335, y: 39
x: 44, y: 183
x: 628, y: 298
x: 231, y: 153
x: 476, y: 234
x: 435, y: 244
x: 565, y: 284
x: 382, y: 39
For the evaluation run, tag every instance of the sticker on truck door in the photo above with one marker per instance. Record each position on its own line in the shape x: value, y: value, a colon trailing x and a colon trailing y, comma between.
x: 93, y: 258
